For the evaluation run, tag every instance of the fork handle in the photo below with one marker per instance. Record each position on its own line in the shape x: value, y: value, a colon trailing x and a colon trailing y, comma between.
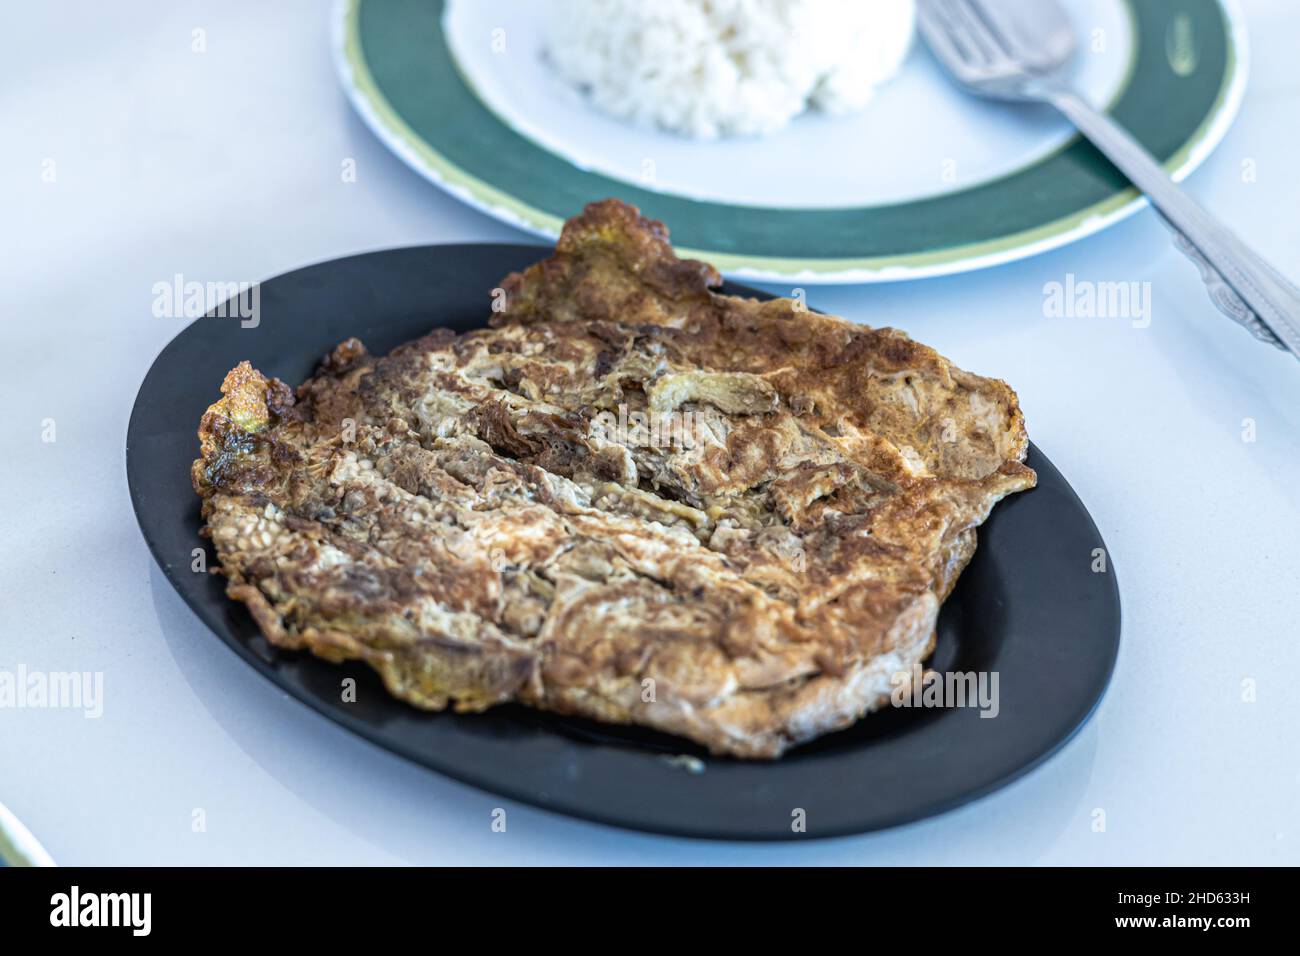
x: 1242, y: 285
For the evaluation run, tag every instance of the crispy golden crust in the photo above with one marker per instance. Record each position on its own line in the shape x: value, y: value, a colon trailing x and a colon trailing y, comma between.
x: 631, y: 498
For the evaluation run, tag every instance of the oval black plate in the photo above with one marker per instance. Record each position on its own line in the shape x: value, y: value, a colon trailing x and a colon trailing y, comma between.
x: 1028, y: 607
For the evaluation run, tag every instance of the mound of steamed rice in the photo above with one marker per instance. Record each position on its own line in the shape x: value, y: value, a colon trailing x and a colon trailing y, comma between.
x: 710, y: 68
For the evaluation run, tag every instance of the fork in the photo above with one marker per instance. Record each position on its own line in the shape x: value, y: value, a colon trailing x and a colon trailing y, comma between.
x: 1019, y: 50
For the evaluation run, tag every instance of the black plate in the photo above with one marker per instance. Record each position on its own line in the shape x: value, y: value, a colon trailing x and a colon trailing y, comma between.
x: 1028, y: 607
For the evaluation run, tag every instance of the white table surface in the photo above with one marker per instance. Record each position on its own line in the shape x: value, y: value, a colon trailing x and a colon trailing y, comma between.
x: 226, y: 164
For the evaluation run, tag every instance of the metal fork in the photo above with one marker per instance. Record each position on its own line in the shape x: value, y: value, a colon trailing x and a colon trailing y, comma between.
x: 1019, y: 50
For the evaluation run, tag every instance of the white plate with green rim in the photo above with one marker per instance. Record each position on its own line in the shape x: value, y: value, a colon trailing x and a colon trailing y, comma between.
x: 926, y: 181
x: 17, y: 845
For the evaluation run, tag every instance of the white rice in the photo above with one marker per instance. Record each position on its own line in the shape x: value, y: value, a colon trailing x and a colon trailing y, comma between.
x: 710, y: 68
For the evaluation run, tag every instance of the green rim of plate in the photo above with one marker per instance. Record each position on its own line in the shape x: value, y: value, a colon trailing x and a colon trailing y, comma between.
x: 1177, y: 99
